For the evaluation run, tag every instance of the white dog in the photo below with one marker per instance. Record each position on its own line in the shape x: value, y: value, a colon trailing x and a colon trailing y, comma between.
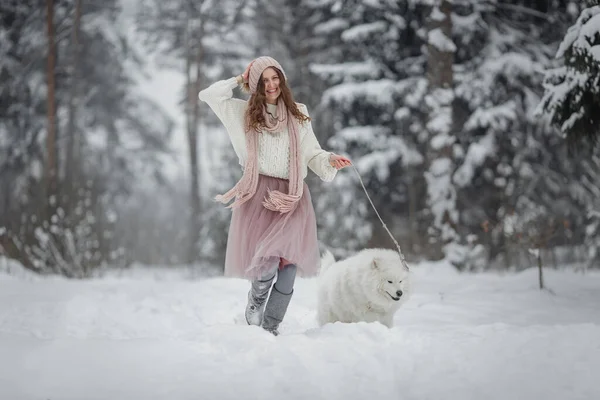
x: 370, y: 286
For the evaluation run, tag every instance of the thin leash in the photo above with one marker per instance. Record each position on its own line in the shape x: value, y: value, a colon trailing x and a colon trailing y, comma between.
x: 378, y: 216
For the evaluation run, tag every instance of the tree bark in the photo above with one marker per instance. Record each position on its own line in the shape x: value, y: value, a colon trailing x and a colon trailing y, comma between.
x: 72, y: 139
x: 195, y: 55
x: 412, y: 219
x: 441, y: 192
x: 540, y: 269
x: 439, y: 66
x: 52, y: 176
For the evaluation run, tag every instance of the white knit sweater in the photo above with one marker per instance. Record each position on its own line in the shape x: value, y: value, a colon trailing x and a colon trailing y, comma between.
x: 273, y: 148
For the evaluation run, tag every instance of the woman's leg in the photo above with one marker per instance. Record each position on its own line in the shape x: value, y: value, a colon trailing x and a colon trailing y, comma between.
x: 259, y: 290
x: 279, y: 299
x: 286, y: 278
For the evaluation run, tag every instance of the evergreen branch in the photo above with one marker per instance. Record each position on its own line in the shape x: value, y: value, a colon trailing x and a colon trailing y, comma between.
x: 522, y: 9
x: 238, y: 13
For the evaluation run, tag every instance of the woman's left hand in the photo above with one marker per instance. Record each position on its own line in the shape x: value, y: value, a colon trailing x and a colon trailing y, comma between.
x: 339, y: 162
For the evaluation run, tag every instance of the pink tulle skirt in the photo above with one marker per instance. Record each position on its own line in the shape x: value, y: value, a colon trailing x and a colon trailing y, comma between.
x: 258, y: 238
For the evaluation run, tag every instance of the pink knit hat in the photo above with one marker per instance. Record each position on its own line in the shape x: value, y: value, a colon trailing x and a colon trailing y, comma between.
x: 258, y: 67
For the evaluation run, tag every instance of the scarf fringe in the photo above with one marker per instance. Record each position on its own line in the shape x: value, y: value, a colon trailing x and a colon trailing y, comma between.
x: 282, y: 202
x: 235, y: 192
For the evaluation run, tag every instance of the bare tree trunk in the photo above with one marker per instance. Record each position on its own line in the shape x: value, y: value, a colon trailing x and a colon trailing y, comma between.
x: 440, y: 189
x: 441, y: 59
x: 70, y: 188
x: 540, y: 269
x: 192, y: 116
x: 52, y: 177
x: 412, y: 219
x: 196, y: 117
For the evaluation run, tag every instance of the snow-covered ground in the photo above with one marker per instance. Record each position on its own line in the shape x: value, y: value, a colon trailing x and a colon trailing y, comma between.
x: 160, y: 335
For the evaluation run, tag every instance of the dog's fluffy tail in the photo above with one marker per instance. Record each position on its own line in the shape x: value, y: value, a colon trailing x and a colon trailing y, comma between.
x: 327, y: 259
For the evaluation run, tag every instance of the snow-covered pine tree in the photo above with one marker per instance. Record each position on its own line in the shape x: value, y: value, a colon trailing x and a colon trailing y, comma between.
x: 571, y: 102
x: 501, y: 148
x: 207, y: 41
x: 441, y: 192
x: 120, y: 134
x: 22, y: 120
x: 286, y: 31
x: 118, y: 140
x: 572, y: 89
x: 375, y: 74
x: 592, y: 235
x: 501, y: 142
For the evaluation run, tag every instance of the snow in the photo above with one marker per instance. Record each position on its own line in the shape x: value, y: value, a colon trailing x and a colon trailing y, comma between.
x: 377, y: 4
x: 439, y: 40
x: 555, y: 94
x: 441, y: 140
x: 534, y: 252
x: 382, y: 148
x: 442, y: 196
x: 397, y: 20
x: 367, y: 69
x: 511, y: 65
x: 570, y: 122
x: 464, y: 24
x: 590, y: 29
x: 418, y: 92
x: 332, y: 25
x: 572, y: 9
x: 594, y: 213
x: 401, y: 114
x: 362, y: 134
x: 578, y: 35
x: 363, y: 31
x: 595, y: 52
x: 437, y: 14
x: 497, y: 117
x: 440, y: 166
x: 378, y: 92
x: 440, y: 122
x: 36, y: 169
x: 478, y: 152
x: 460, y: 337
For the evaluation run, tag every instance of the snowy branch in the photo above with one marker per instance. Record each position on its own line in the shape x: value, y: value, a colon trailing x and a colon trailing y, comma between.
x: 520, y: 9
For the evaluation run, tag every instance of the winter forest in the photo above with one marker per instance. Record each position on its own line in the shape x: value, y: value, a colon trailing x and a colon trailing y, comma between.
x: 474, y: 126
x: 471, y: 122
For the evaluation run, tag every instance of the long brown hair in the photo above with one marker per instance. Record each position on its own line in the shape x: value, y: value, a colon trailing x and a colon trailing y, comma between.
x: 254, y: 114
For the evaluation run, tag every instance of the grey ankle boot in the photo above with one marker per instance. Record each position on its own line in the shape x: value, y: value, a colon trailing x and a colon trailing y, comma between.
x: 275, y: 310
x: 257, y: 297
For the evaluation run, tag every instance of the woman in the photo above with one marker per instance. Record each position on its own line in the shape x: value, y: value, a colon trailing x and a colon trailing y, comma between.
x: 273, y: 228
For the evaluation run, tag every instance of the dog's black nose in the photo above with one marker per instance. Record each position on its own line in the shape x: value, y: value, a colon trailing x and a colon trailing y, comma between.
x: 399, y: 293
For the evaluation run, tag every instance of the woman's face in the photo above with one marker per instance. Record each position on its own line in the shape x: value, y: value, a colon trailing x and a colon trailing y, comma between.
x: 270, y: 80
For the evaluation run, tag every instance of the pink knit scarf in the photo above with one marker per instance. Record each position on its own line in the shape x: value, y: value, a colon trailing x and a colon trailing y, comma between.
x: 246, y: 186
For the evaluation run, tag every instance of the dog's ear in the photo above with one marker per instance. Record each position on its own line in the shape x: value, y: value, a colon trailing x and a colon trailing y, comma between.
x: 374, y: 263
